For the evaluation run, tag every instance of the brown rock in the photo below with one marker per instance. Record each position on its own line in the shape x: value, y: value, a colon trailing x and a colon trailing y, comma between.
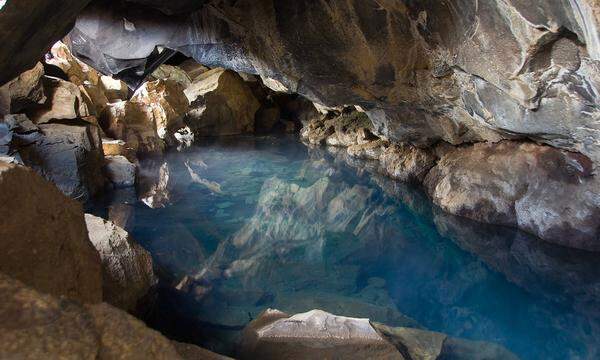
x: 64, y: 102
x: 43, y: 237
x: 548, y: 192
x: 406, y: 162
x: 174, y: 73
x: 114, y: 89
x: 24, y: 91
x: 126, y: 266
x: 78, y: 72
x: 221, y: 104
x: 193, y: 69
x: 37, y: 326
x: 313, y: 335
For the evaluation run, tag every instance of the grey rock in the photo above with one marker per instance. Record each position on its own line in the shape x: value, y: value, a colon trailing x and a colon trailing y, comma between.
x: 120, y: 171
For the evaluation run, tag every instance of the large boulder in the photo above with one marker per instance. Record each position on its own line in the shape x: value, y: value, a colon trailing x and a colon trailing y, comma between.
x: 38, y: 326
x: 174, y: 73
x: 68, y: 155
x: 126, y: 266
x: 221, y: 104
x: 43, y: 237
x: 321, y: 335
x: 313, y: 335
x: 65, y: 102
x: 24, y: 91
x: 548, y: 192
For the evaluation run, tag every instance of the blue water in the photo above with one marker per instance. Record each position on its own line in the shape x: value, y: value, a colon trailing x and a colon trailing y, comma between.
x: 246, y: 224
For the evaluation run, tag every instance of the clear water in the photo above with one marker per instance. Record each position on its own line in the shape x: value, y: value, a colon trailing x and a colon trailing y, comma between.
x: 239, y: 226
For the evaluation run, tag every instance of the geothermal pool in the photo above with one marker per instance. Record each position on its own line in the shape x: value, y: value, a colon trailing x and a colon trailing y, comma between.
x: 249, y: 223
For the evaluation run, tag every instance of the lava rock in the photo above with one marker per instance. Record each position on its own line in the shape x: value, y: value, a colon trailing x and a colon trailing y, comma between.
x: 43, y: 238
x: 126, y: 266
x: 221, y: 104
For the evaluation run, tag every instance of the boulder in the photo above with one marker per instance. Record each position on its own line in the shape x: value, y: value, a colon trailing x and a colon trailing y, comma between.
x: 112, y: 147
x: 129, y: 122
x: 68, y: 155
x: 38, y: 326
x: 114, y: 89
x: 548, y: 192
x: 313, y: 335
x: 406, y: 162
x: 43, y: 238
x: 65, y: 102
x: 77, y: 71
x: 126, y: 266
x: 24, y: 91
x: 120, y: 171
x: 193, y: 69
x: 221, y: 104
x: 165, y: 104
x: 266, y: 119
x: 174, y: 73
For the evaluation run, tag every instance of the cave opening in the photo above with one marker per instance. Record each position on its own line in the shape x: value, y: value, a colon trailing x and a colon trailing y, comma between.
x: 289, y: 179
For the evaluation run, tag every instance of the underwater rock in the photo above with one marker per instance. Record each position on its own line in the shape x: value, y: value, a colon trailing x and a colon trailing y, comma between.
x: 548, y: 192
x: 70, y: 156
x: 39, y: 225
x: 120, y: 171
x: 221, y: 104
x: 126, y: 266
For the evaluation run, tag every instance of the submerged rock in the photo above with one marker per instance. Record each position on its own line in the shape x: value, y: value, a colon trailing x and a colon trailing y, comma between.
x: 126, y: 266
x: 221, y: 104
x: 548, y: 192
x: 43, y: 238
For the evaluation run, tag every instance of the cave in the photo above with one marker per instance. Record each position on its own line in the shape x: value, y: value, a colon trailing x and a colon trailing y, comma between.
x: 300, y: 179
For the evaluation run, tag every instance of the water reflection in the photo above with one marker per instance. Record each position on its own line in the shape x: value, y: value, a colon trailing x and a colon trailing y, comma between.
x: 237, y: 227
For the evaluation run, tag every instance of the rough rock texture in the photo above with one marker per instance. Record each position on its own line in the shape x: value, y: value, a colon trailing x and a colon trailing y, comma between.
x: 28, y: 28
x: 320, y: 335
x: 221, y: 104
x: 36, y: 326
x: 68, y: 155
x: 114, y: 89
x: 424, y: 71
x: 127, y: 267
x: 43, y: 238
x: 120, y: 171
x: 548, y: 192
x: 65, y: 102
x: 23, y: 91
x: 313, y: 335
x: 165, y: 105
x: 174, y: 73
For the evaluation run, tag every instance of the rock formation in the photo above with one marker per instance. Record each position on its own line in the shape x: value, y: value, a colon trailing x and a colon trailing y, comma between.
x: 34, y: 325
x: 318, y: 334
x: 44, y: 238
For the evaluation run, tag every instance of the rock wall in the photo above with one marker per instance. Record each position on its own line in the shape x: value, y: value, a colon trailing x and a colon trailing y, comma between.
x: 459, y: 71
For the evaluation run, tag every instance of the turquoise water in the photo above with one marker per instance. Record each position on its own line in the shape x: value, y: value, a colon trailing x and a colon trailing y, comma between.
x: 246, y: 224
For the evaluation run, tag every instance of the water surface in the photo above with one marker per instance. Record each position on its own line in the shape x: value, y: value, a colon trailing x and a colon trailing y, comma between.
x: 246, y: 224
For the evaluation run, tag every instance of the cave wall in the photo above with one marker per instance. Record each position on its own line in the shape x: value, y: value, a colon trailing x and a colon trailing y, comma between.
x: 424, y: 70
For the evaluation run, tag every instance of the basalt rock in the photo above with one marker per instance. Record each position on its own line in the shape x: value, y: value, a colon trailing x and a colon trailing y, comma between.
x: 41, y: 226
x: 548, y: 192
x: 126, y: 266
x: 68, y: 155
x: 22, y: 92
x: 423, y: 70
x: 35, y: 325
x: 221, y: 104
x: 120, y: 171
x: 65, y: 102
